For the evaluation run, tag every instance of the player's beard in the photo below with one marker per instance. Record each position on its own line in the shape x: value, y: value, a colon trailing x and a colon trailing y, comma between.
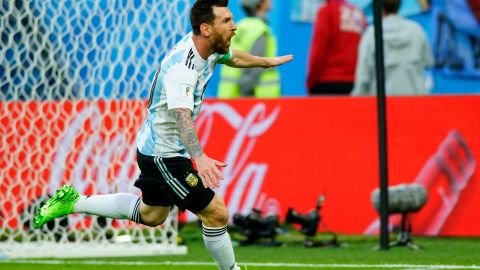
x: 220, y: 45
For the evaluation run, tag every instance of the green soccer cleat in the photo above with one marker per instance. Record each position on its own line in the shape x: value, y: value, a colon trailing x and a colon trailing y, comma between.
x: 61, y: 204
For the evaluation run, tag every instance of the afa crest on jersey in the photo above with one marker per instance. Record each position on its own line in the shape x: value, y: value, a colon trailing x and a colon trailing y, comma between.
x: 191, y: 179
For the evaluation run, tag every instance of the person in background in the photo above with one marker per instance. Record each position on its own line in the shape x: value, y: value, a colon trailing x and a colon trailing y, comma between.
x: 406, y: 56
x: 255, y: 36
x: 333, y: 52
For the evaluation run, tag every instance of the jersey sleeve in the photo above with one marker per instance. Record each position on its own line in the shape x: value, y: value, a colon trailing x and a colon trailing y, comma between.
x: 179, y: 84
x: 225, y: 57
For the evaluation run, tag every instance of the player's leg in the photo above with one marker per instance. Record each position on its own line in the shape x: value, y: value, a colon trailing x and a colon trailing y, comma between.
x: 188, y: 192
x: 123, y: 206
x: 67, y: 201
x: 119, y: 206
x: 151, y: 209
x: 214, y: 219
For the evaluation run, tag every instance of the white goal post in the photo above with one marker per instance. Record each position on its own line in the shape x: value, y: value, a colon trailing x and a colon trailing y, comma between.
x: 74, y: 80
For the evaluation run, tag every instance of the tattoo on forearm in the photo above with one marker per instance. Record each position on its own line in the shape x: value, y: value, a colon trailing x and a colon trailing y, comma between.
x: 187, y: 131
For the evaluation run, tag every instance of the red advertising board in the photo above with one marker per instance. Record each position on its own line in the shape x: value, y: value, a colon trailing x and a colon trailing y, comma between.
x: 281, y: 153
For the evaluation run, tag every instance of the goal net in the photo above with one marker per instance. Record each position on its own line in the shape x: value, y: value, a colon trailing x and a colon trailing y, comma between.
x: 74, y: 79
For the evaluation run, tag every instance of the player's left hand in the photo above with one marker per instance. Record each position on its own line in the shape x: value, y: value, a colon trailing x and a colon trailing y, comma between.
x: 208, y: 171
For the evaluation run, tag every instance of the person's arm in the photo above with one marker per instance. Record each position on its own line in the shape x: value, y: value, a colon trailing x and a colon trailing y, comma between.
x: 241, y: 59
x: 178, y: 84
x: 206, y: 166
x: 251, y: 76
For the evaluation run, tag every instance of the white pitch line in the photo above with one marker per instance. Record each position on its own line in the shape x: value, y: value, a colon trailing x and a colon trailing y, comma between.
x: 292, y: 265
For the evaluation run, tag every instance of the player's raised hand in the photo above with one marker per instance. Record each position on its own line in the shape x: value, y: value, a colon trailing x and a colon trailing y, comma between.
x: 279, y: 60
x: 241, y: 59
x: 208, y: 171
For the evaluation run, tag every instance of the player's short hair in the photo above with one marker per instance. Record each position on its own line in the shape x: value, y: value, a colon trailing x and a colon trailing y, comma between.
x: 202, y: 12
x: 391, y: 6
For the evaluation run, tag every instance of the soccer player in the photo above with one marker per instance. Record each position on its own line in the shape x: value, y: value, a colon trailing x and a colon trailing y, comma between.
x: 168, y: 142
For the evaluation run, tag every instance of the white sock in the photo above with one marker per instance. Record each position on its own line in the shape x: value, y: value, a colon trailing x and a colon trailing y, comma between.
x: 217, y: 241
x: 118, y: 205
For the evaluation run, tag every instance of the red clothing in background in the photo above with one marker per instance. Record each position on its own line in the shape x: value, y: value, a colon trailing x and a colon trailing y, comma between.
x: 336, y: 35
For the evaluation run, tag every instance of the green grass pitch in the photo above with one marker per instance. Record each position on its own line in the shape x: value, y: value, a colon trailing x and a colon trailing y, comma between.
x: 355, y: 252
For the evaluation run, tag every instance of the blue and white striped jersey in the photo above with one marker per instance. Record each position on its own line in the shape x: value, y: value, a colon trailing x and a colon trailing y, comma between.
x: 179, y: 82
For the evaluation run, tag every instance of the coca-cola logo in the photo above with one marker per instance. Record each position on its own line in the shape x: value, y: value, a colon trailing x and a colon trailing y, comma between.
x: 240, y: 172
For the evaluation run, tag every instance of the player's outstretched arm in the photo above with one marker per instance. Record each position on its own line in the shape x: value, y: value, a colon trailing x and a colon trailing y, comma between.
x: 241, y: 59
x: 207, y: 167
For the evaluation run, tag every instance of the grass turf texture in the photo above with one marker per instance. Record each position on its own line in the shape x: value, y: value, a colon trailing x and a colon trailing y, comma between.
x: 355, y: 252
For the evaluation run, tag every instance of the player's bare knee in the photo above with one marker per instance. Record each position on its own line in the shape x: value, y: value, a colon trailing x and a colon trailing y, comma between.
x: 153, y: 215
x: 153, y: 219
x: 218, y: 216
x: 215, y: 214
x: 223, y: 215
x: 153, y: 222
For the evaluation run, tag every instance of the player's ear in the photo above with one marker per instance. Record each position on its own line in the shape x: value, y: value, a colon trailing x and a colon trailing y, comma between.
x: 205, y: 29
